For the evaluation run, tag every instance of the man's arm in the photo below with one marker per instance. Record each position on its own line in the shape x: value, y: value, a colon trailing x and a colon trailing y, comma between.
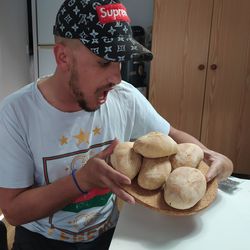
x: 220, y: 165
x: 23, y: 205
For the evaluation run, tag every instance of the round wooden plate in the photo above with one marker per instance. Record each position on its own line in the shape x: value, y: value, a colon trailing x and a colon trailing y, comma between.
x: 155, y: 200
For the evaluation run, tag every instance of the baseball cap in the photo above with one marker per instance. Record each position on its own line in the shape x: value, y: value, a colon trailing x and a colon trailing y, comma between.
x: 103, y: 26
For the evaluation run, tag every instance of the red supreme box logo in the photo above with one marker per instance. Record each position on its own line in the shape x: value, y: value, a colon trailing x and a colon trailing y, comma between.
x: 112, y: 13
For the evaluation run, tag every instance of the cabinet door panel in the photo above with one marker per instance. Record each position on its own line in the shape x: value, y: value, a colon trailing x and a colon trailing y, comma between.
x: 226, y: 120
x: 181, y: 31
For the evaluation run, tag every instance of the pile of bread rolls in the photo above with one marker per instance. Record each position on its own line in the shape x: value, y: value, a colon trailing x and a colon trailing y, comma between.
x: 159, y: 162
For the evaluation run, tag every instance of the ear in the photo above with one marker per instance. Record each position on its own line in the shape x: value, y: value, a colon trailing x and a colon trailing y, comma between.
x: 62, y: 57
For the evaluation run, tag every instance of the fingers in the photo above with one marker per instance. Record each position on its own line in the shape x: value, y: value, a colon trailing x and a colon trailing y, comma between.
x: 123, y: 195
x: 118, y: 190
x: 116, y: 177
x: 114, y: 180
x: 101, y: 174
x: 213, y: 172
x: 221, y: 167
x: 108, y: 151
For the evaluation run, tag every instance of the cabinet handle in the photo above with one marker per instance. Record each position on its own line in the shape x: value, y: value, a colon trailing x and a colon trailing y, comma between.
x: 201, y: 67
x: 213, y: 67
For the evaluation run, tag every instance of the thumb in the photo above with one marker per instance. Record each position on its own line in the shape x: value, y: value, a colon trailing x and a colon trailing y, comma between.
x: 213, y: 171
x: 109, y: 150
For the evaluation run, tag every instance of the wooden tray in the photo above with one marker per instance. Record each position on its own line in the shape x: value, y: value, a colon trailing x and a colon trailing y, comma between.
x: 155, y: 199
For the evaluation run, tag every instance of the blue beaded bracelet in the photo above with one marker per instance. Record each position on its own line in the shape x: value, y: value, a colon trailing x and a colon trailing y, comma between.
x: 76, y: 183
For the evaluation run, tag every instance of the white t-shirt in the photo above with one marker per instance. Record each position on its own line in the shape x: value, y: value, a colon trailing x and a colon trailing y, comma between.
x: 40, y: 144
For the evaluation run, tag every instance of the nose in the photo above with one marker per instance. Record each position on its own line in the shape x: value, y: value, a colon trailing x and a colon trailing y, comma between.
x: 115, y: 73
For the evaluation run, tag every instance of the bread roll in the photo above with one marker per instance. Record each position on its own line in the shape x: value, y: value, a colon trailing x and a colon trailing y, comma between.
x: 155, y: 145
x: 188, y: 154
x: 153, y: 173
x: 184, y: 187
x: 125, y: 160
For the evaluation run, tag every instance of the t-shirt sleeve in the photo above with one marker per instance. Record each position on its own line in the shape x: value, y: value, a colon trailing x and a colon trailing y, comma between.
x: 146, y: 118
x: 16, y: 164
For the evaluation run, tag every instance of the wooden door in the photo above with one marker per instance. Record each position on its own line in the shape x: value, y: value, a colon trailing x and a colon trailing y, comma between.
x: 226, y: 119
x: 180, y: 42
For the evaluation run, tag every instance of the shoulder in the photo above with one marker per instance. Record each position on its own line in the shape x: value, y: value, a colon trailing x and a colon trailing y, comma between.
x: 124, y: 87
x: 15, y: 108
x: 17, y: 98
x: 127, y: 91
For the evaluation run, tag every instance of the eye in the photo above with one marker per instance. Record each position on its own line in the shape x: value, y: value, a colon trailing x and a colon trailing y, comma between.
x: 104, y: 63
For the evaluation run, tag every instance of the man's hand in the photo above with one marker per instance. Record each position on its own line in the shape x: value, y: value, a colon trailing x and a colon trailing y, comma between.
x: 220, y: 166
x: 16, y: 202
x: 97, y: 173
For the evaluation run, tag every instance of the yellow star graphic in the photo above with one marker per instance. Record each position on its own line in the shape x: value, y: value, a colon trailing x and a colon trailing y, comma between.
x: 63, y: 140
x: 82, y: 137
x: 97, y: 131
x: 50, y: 231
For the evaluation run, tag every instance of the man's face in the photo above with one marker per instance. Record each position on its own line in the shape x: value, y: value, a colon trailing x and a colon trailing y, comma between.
x: 92, y: 78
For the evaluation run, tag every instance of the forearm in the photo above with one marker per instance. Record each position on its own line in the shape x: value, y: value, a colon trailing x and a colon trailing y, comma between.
x: 182, y: 137
x: 39, y: 202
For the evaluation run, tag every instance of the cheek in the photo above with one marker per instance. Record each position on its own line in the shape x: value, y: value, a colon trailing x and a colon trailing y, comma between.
x: 90, y: 77
x: 89, y: 82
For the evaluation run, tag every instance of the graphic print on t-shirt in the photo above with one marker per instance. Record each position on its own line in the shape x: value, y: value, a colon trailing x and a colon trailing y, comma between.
x: 83, y: 215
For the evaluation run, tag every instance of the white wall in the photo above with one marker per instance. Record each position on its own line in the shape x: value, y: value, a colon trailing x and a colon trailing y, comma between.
x: 140, y: 12
x: 14, y: 58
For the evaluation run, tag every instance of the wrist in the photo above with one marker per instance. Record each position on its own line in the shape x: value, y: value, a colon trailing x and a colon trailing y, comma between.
x: 74, y: 178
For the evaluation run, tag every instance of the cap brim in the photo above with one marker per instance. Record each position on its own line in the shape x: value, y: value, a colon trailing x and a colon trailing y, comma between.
x: 119, y: 49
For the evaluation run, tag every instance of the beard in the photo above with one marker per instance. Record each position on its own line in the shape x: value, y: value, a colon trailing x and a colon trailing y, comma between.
x: 78, y: 94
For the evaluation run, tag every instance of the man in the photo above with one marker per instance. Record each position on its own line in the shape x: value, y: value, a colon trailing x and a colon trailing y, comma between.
x: 57, y: 133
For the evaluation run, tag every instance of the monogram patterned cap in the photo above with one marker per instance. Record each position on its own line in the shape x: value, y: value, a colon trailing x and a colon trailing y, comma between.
x: 103, y: 26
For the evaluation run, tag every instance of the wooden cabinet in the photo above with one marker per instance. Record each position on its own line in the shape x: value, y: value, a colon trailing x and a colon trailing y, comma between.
x: 200, y: 77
